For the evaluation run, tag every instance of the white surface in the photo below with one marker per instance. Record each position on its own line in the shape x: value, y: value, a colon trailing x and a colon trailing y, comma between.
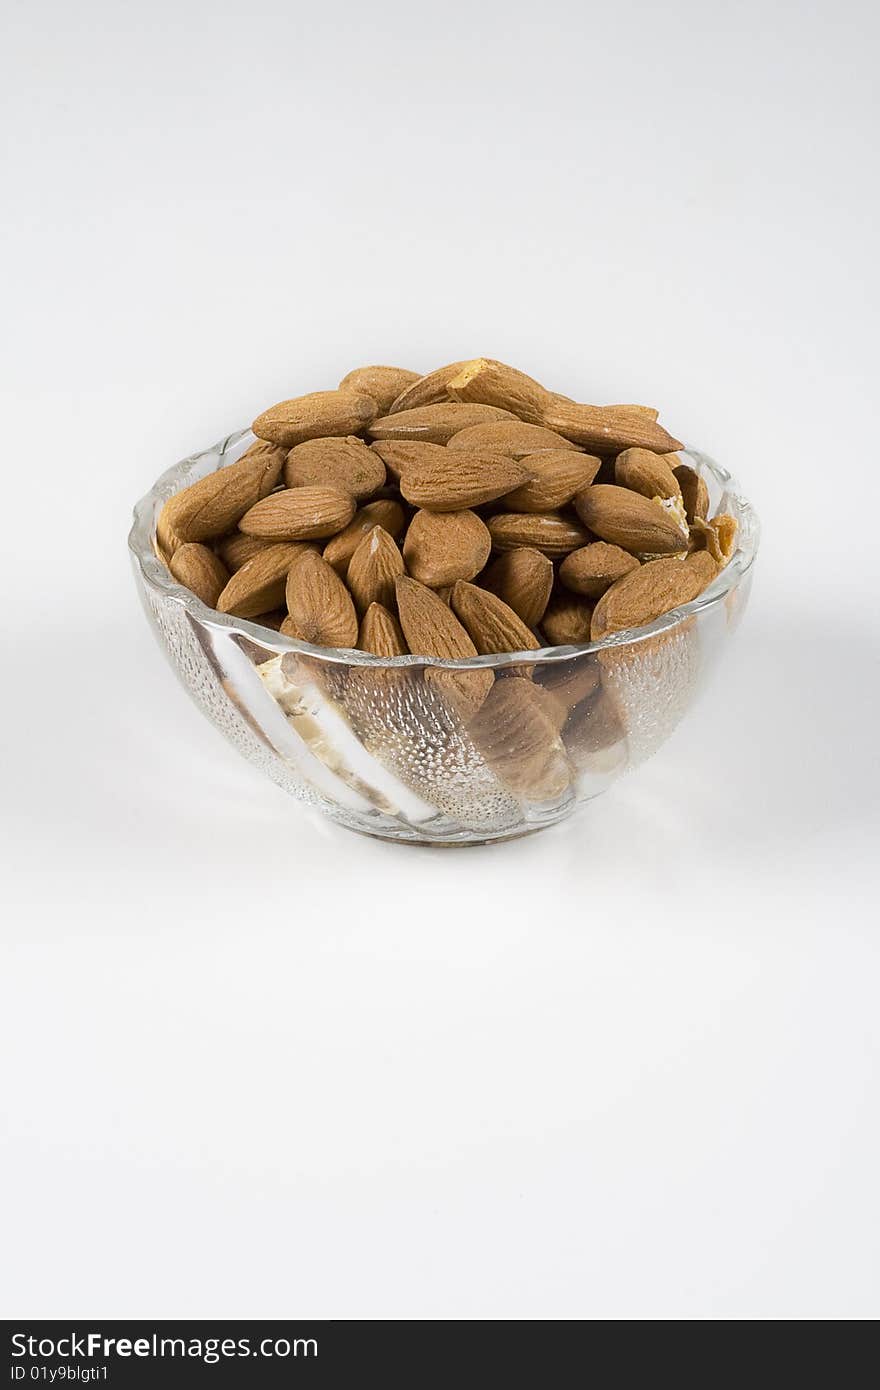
x: 259, y: 1066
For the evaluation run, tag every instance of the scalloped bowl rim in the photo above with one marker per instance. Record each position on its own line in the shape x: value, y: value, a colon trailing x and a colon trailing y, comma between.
x: 158, y: 578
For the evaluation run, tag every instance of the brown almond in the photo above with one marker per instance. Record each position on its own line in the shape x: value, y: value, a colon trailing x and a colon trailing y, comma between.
x: 299, y: 514
x: 383, y: 512
x: 512, y: 437
x: 381, y: 633
x: 566, y: 622
x: 435, y: 424
x: 259, y: 585
x: 236, y: 549
x: 373, y: 569
x: 317, y: 414
x: 548, y: 532
x: 645, y: 473
x: 487, y: 382
x: 558, y: 475
x: 383, y: 384
x: 450, y: 482
x: 441, y: 547
x: 319, y: 604
x: 167, y: 539
x: 200, y: 571
x: 273, y: 620
x: 639, y: 598
x: 432, y: 629
x: 627, y: 519
x: 703, y: 567
x: 346, y: 463
x: 595, y: 567
x: 517, y: 737
x: 425, y: 390
x: 718, y: 536
x: 693, y: 490
x: 606, y: 429
x: 214, y: 504
x: 523, y: 578
x: 491, y: 623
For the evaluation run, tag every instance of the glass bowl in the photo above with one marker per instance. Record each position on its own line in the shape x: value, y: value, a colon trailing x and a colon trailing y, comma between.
x: 414, y: 748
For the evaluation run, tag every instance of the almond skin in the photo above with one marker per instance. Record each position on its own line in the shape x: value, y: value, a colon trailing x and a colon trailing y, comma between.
x: 435, y: 424
x: 607, y: 429
x: 523, y: 578
x: 432, y: 629
x: 311, y: 417
x: 383, y: 512
x: 650, y: 591
x: 693, y: 491
x: 381, y: 633
x: 259, y: 585
x: 594, y: 568
x: 440, y: 548
x: 319, y: 604
x: 299, y: 514
x: 346, y: 463
x: 200, y: 571
x: 484, y: 381
x: 557, y: 475
x: 214, y: 504
x: 491, y: 624
x: 425, y: 390
x: 374, y: 567
x: 450, y: 482
x: 382, y: 384
x: 566, y: 622
x: 645, y: 473
x: 629, y: 520
x: 548, y: 532
x: 237, y: 549
x: 512, y: 437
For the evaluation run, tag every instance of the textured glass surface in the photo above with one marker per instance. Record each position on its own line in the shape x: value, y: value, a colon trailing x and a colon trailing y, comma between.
x: 414, y: 749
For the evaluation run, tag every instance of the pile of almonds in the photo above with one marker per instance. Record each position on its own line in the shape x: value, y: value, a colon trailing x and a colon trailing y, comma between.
x: 465, y: 512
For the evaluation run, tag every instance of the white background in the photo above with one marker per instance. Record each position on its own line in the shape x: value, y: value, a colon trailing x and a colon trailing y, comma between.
x: 256, y: 1065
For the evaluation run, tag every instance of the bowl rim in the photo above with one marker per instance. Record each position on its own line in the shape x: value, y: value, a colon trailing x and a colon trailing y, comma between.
x: 158, y: 578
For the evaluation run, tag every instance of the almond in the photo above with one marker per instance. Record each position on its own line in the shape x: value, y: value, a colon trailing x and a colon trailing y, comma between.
x: 629, y: 520
x: 491, y: 624
x: 435, y: 424
x: 523, y: 578
x: 235, y: 550
x: 214, y: 504
x: 639, y: 598
x: 449, y: 482
x: 718, y: 536
x: 382, y: 384
x: 570, y: 682
x: 557, y: 475
x: 200, y: 571
x: 566, y: 622
x: 425, y: 390
x: 381, y: 633
x: 432, y: 629
x: 519, y: 740
x: 315, y: 415
x: 595, y: 567
x: 646, y: 473
x: 167, y: 539
x: 487, y: 382
x: 259, y: 585
x: 346, y: 463
x: 319, y: 604
x: 548, y: 532
x: 703, y: 567
x: 442, y: 547
x: 373, y: 569
x: 607, y: 429
x: 300, y: 513
x: 384, y: 512
x: 693, y: 491
x: 512, y: 437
